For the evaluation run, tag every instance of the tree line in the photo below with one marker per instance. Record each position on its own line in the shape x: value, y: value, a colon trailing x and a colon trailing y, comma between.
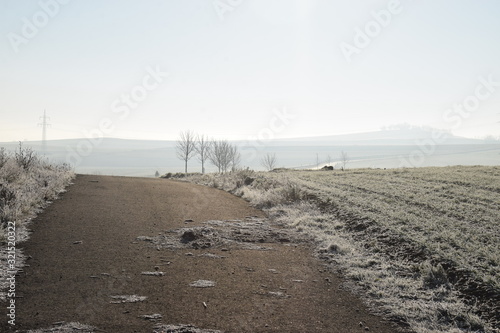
x: 220, y: 153
x: 224, y: 155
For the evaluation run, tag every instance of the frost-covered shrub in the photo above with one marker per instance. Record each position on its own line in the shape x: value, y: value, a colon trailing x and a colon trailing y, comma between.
x: 25, y: 157
x: 27, y: 183
x: 3, y: 156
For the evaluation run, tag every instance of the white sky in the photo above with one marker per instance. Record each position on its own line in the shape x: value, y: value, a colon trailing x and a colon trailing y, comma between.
x: 230, y: 71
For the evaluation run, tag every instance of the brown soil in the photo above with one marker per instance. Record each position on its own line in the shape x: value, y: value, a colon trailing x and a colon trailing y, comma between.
x: 128, y: 237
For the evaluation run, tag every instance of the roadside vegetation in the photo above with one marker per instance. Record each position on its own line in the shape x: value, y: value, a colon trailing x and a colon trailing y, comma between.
x: 27, y: 184
x: 420, y: 246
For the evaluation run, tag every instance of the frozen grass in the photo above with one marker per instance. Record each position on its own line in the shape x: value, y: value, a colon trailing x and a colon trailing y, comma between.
x: 66, y: 328
x: 421, y: 246
x: 27, y: 184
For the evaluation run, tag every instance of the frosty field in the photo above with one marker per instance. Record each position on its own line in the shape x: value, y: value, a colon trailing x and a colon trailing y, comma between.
x: 453, y: 212
x: 421, y: 245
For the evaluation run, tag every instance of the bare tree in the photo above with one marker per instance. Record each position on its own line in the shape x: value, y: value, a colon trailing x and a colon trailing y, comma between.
x: 223, y: 155
x: 202, y: 147
x: 186, y: 147
x: 235, y: 157
x: 218, y: 154
x: 269, y: 161
x: 344, y: 159
x: 214, y: 154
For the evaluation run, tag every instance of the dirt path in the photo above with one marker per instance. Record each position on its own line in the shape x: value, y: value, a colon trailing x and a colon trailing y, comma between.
x: 85, y: 249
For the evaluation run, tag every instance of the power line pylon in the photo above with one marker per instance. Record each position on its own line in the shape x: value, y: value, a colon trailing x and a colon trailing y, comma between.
x: 44, y: 125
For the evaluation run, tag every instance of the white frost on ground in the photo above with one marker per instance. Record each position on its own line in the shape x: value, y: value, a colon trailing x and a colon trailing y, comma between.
x: 202, y: 284
x: 62, y: 327
x: 161, y: 328
x: 127, y: 299
x: 153, y: 316
x: 153, y: 273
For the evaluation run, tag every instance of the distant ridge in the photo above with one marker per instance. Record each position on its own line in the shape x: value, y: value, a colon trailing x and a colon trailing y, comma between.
x: 389, y: 137
x: 101, y: 143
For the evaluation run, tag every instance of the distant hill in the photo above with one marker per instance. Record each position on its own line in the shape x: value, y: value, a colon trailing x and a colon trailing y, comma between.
x: 102, y: 144
x: 383, y: 137
x: 378, y: 138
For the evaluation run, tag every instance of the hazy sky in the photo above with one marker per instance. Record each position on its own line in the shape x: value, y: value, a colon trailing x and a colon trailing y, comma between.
x: 244, y: 68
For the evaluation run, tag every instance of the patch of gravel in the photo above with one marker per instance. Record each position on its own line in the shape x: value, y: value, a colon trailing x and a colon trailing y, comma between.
x: 202, y: 284
x: 64, y: 327
x: 127, y: 299
x: 162, y: 328
x: 243, y: 234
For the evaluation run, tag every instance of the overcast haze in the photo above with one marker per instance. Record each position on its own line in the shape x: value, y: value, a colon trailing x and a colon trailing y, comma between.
x: 233, y: 65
